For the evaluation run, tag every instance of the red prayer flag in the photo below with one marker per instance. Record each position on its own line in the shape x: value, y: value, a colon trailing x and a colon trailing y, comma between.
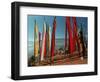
x: 75, y: 35
x: 39, y: 44
x: 45, y: 46
x: 53, y: 40
x: 71, y: 46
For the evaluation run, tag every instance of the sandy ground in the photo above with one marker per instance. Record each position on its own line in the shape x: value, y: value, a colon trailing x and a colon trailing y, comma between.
x: 62, y: 60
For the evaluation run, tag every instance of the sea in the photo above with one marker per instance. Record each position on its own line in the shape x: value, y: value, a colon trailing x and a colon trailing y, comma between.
x: 59, y: 43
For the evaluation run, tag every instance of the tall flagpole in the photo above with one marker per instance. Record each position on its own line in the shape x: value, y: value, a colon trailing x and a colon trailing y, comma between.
x: 48, y: 41
x: 75, y: 33
x: 39, y: 46
x: 65, y: 38
x: 53, y: 40
x: 43, y: 49
x: 68, y: 25
x: 49, y: 30
x: 36, y: 43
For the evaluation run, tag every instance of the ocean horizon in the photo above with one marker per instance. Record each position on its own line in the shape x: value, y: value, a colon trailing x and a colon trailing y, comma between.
x: 59, y: 44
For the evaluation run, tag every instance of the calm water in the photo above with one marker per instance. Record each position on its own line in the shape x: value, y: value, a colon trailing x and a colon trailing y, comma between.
x: 59, y: 44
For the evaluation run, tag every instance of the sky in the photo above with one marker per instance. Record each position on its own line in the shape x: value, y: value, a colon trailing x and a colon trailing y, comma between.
x: 60, y: 25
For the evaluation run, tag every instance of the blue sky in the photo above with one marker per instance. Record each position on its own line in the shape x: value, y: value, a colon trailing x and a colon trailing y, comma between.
x: 60, y: 22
